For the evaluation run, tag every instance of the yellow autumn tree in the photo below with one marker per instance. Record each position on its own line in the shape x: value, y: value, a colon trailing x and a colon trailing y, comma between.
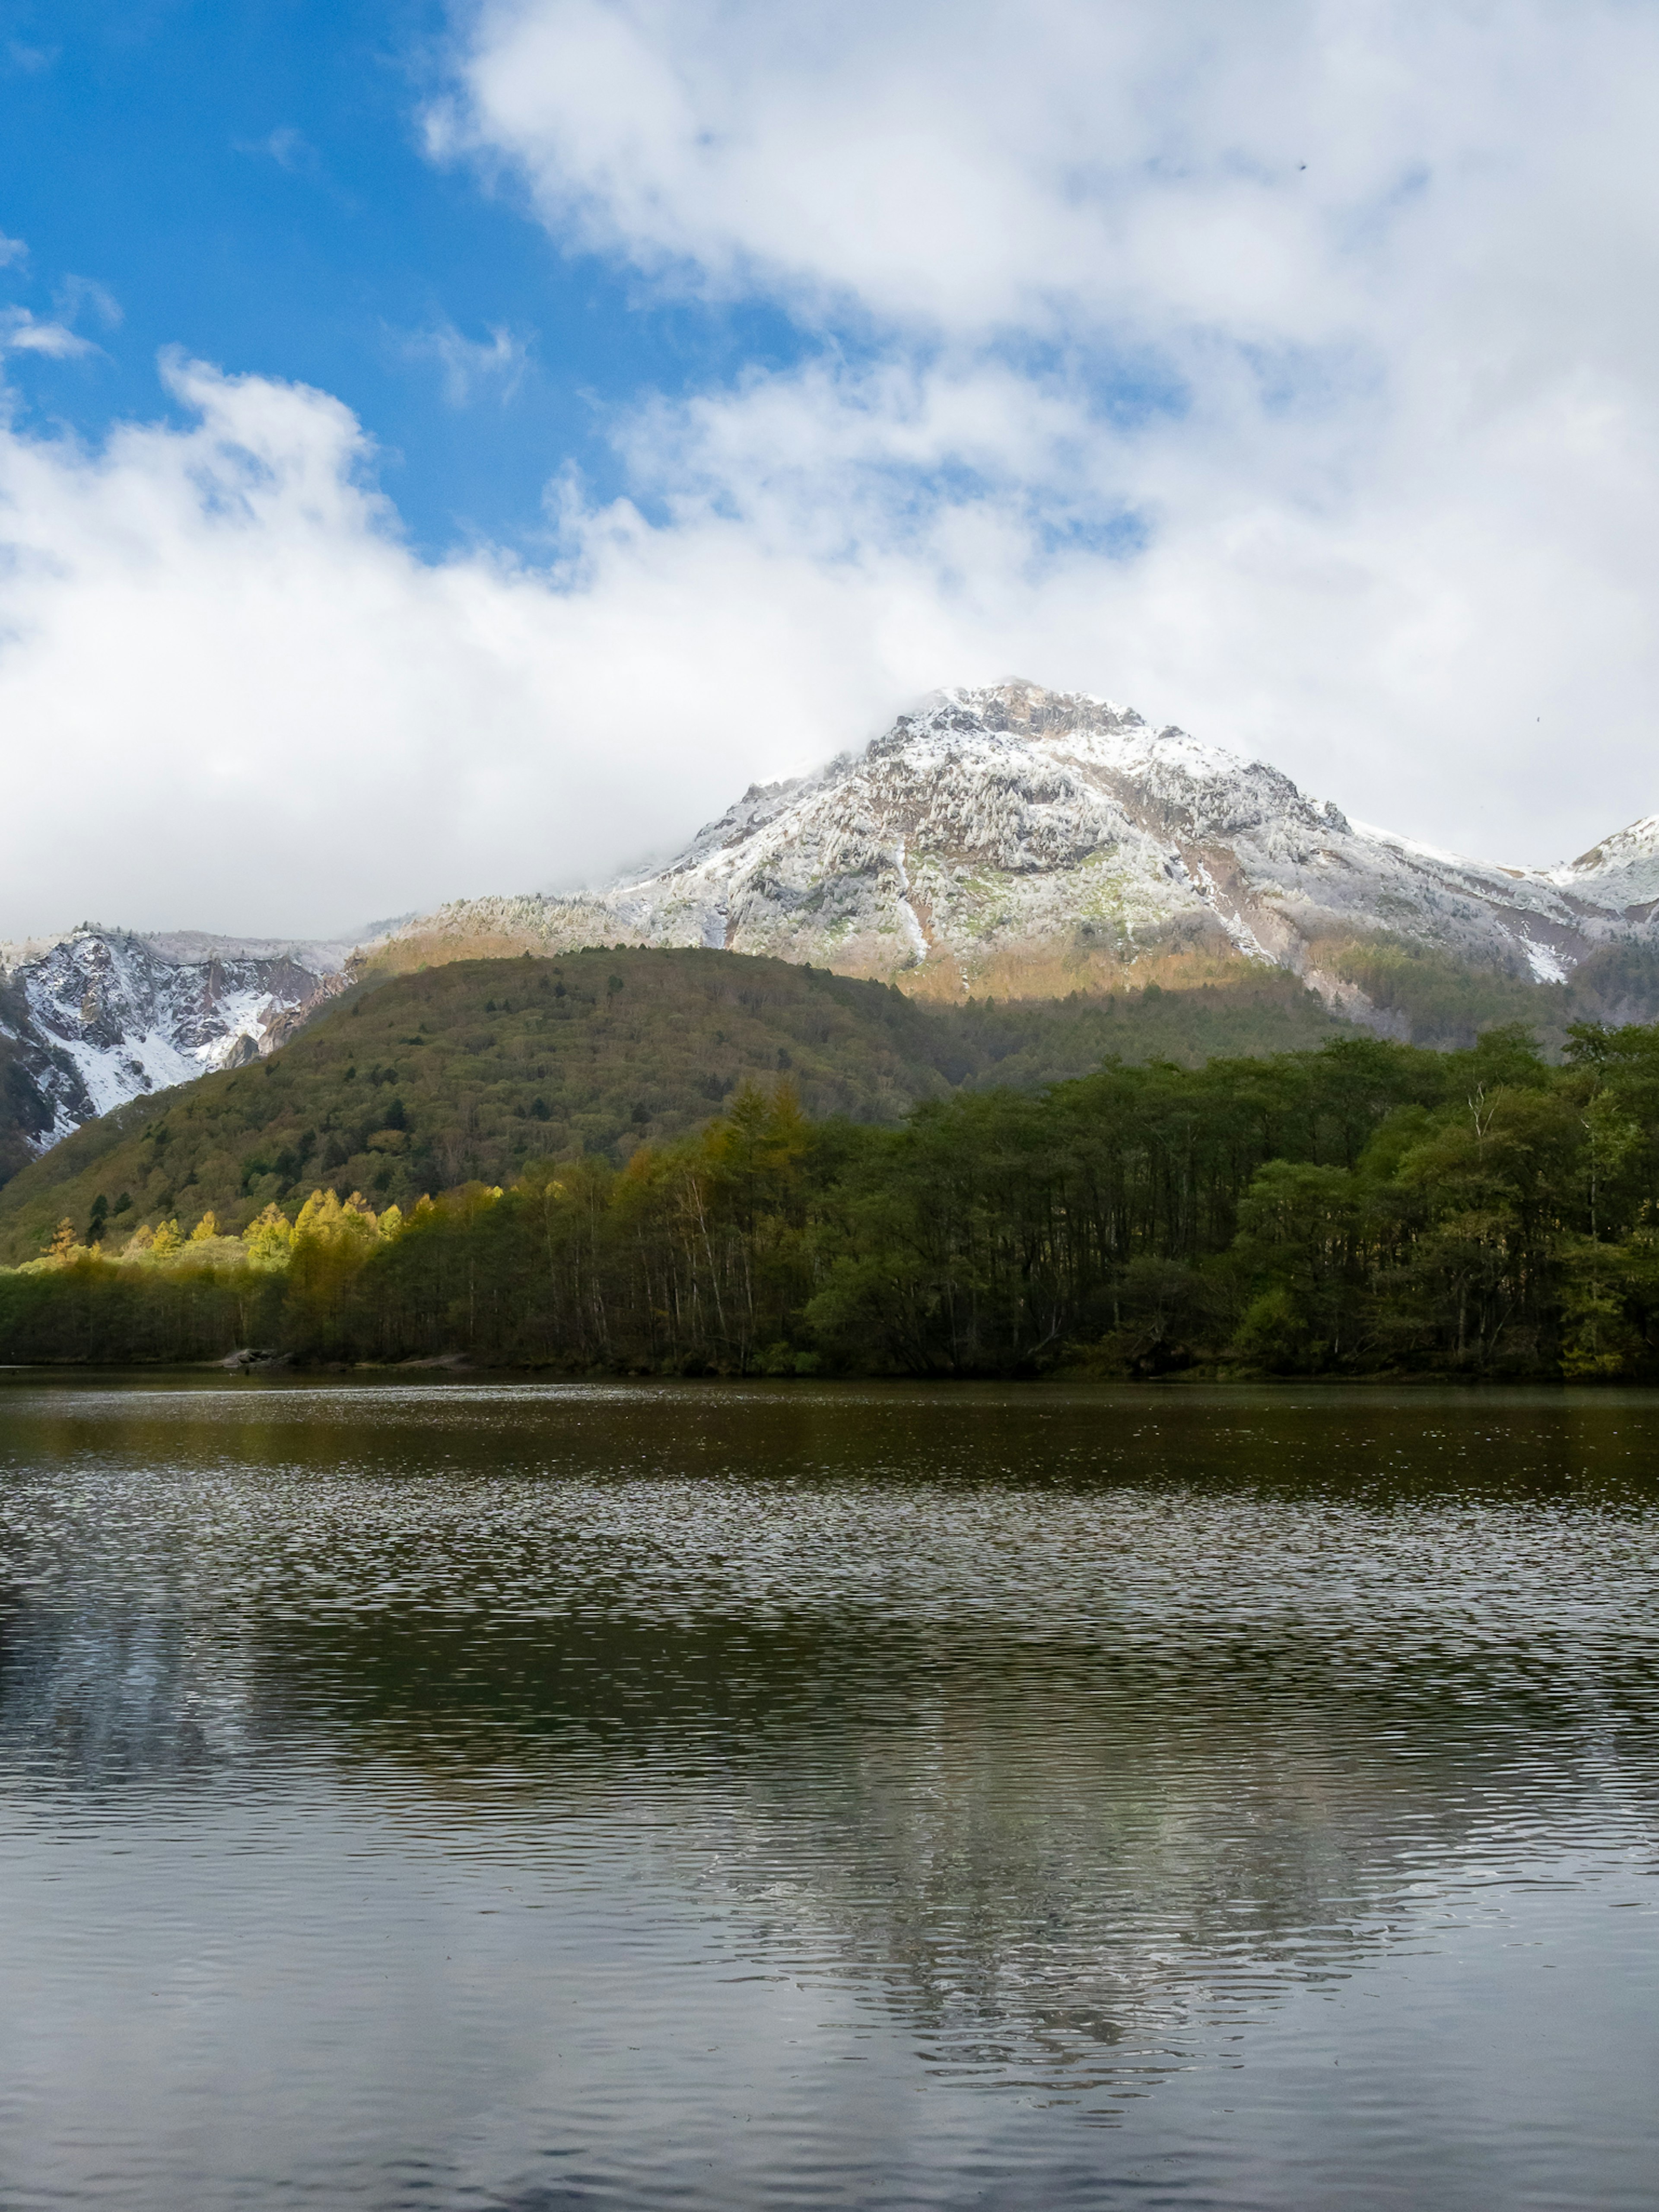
x: 326, y: 1217
x: 332, y: 1238
x: 269, y: 1239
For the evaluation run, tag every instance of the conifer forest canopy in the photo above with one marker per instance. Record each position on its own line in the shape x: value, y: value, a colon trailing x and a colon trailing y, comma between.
x: 1353, y: 1208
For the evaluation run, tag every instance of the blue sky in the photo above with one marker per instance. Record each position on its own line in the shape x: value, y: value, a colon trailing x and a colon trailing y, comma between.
x: 246, y: 182
x: 450, y: 446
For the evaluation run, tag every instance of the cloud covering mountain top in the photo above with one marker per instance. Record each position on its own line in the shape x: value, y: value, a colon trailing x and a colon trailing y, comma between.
x: 1285, y: 370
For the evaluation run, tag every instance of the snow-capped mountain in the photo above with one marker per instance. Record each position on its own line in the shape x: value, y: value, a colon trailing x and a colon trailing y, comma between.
x: 95, y: 1018
x: 1007, y: 842
x: 1012, y: 840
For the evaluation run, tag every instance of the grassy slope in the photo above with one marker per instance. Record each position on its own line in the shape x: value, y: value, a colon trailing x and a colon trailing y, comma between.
x: 489, y: 1063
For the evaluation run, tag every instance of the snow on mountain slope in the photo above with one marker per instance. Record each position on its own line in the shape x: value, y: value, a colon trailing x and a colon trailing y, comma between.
x: 1622, y: 871
x: 1008, y: 841
x: 1012, y: 839
x: 98, y: 1016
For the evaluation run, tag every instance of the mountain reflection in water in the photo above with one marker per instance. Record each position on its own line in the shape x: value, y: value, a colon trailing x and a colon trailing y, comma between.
x: 723, y: 1797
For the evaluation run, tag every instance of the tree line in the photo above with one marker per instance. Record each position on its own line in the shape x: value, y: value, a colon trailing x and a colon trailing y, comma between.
x: 1365, y: 1208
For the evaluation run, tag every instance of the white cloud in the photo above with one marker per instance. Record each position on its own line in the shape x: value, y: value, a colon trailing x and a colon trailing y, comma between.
x: 1398, y: 260
x: 77, y: 294
x: 1456, y: 642
x: 979, y: 163
x: 469, y: 365
x: 233, y: 699
x: 1381, y: 505
x: 287, y: 146
x: 11, y: 249
x: 249, y: 706
x: 21, y: 332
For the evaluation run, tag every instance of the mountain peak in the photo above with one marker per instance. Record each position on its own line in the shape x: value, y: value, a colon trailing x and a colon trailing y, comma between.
x: 1002, y: 839
x: 1012, y: 839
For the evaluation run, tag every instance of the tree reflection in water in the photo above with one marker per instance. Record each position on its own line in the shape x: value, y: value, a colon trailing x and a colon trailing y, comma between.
x: 1070, y: 1730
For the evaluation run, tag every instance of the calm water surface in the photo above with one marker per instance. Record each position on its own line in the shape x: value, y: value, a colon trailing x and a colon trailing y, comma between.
x: 531, y: 1796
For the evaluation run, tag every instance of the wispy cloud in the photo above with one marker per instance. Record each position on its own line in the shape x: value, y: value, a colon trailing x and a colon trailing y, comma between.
x: 79, y: 295
x: 13, y: 252
x: 470, y: 366
x: 287, y: 146
x: 20, y: 332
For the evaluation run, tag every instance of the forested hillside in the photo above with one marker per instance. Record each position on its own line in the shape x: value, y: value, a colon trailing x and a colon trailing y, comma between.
x: 1425, y: 996
x: 464, y: 1073
x: 1364, y: 1208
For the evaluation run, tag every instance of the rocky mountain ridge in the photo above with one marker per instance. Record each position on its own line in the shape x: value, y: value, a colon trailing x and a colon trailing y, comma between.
x: 1012, y: 840
x: 96, y: 1017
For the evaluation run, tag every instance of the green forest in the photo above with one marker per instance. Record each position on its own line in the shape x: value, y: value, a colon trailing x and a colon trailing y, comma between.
x: 1361, y: 1208
x: 465, y: 1072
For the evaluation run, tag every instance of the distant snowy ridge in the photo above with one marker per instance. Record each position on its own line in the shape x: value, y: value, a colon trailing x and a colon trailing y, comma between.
x: 97, y: 1017
x: 1012, y: 839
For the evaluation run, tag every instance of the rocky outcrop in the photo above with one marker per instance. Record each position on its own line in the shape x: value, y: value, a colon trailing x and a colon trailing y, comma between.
x: 97, y: 1017
x: 1015, y: 840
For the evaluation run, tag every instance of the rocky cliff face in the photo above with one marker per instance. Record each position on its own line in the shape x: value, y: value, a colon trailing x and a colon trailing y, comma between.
x: 1014, y: 840
x: 98, y: 1016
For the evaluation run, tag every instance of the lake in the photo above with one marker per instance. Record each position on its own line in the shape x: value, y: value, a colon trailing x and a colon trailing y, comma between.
x: 459, y: 1794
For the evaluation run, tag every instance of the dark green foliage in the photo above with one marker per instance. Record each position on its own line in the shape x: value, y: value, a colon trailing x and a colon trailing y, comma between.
x: 1437, y: 1000
x: 117, y: 1316
x: 1362, y: 1209
x: 877, y: 1193
x: 465, y: 1071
